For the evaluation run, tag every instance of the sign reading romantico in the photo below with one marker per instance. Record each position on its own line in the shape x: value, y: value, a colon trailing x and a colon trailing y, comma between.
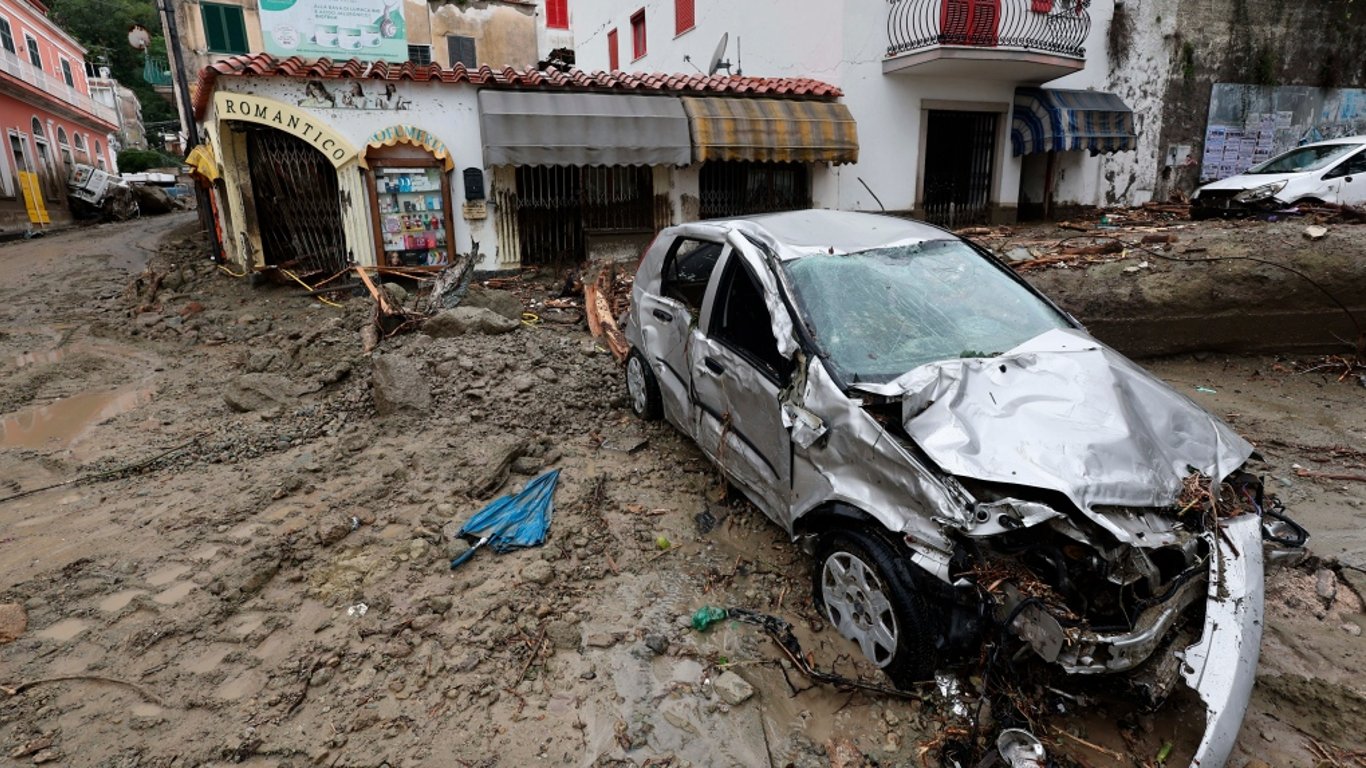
x: 286, y: 117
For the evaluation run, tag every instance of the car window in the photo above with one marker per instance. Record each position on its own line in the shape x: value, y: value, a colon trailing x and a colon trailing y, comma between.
x: 879, y: 313
x: 1303, y: 159
x: 1352, y: 165
x: 687, y: 270
x: 741, y: 320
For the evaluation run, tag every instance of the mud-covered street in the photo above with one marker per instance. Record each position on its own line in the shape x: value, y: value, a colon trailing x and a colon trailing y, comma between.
x: 254, y: 565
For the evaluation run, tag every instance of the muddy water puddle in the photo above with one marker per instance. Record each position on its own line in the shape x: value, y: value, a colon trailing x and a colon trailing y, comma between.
x: 66, y: 422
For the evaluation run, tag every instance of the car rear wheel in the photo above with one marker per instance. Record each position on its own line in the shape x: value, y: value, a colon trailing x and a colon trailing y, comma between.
x: 868, y: 593
x: 642, y: 388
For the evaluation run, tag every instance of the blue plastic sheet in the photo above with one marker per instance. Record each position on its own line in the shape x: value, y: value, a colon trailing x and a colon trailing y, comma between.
x: 513, y: 521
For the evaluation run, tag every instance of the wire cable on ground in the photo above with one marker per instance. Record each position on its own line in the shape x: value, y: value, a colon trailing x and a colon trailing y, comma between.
x: 108, y: 472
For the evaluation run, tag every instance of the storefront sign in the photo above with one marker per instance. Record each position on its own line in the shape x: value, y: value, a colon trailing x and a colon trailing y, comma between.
x: 290, y: 119
x: 360, y: 29
x: 411, y: 134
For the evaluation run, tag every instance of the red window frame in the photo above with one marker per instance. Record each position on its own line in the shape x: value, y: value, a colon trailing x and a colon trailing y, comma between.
x: 685, y: 16
x: 638, y: 40
x: 557, y: 14
x: 613, y: 51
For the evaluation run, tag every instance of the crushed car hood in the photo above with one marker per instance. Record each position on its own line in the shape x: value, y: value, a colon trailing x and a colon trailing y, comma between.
x: 1066, y: 413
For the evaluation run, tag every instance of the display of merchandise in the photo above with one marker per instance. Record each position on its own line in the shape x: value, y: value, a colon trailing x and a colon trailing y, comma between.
x: 412, y: 217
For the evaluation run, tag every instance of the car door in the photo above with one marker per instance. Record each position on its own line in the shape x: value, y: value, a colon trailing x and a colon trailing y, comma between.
x: 1348, y: 179
x: 667, y: 320
x: 737, y: 373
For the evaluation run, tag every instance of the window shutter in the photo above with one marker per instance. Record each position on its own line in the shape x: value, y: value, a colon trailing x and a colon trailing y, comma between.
x: 462, y: 51
x: 557, y: 14
x: 685, y: 16
x: 212, y: 16
x: 613, y: 57
x: 982, y: 29
x: 236, y: 29
x: 1041, y: 6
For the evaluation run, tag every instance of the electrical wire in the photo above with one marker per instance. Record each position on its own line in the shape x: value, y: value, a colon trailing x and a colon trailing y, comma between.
x: 300, y: 281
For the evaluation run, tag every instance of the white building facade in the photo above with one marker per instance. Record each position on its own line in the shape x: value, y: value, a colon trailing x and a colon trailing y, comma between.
x: 932, y: 84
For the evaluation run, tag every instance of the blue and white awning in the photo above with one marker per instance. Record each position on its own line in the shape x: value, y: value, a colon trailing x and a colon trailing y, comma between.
x: 1055, y: 120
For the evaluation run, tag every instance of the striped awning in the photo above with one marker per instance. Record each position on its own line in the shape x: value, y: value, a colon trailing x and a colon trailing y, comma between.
x: 771, y: 130
x: 1055, y: 120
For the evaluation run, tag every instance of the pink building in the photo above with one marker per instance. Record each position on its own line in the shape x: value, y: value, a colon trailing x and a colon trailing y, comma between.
x: 48, y: 121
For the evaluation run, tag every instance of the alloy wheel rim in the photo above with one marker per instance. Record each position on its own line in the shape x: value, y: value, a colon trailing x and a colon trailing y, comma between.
x: 857, y: 605
x: 635, y: 384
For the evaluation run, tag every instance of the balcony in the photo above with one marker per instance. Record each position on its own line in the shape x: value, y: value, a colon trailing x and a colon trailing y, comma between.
x: 156, y: 72
x: 55, y: 87
x: 1023, y: 41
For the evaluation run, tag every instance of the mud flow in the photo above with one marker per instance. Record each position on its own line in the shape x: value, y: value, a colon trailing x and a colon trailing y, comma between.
x: 241, y: 555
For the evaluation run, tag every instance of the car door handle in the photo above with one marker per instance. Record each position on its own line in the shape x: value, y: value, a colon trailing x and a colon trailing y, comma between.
x: 662, y: 315
x: 713, y: 366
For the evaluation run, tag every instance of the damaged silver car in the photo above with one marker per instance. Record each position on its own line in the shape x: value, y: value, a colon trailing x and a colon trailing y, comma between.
x: 963, y: 458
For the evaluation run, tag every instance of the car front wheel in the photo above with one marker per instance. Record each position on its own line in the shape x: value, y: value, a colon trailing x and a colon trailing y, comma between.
x: 642, y: 388
x: 867, y: 592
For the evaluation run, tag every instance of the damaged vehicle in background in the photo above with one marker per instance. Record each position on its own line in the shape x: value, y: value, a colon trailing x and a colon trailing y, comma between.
x: 964, y: 460
x: 1314, y: 174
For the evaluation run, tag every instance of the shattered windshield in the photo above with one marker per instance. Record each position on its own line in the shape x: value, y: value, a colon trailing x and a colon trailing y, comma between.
x: 877, y: 314
x: 1305, y: 159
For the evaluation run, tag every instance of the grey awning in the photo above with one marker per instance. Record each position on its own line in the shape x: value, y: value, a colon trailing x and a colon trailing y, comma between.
x: 538, y: 128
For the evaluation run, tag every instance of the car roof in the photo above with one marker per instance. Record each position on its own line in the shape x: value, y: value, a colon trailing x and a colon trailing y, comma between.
x: 1361, y: 139
x: 798, y: 233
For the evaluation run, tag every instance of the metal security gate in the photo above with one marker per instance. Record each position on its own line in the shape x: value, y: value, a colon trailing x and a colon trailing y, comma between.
x: 960, y: 148
x: 558, y: 205
x: 298, y: 208
x: 741, y: 188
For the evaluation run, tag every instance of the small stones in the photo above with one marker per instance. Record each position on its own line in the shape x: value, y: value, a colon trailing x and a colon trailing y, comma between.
x: 657, y: 643
x: 538, y: 572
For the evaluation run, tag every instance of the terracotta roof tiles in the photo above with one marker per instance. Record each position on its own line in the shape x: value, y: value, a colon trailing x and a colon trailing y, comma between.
x: 266, y: 65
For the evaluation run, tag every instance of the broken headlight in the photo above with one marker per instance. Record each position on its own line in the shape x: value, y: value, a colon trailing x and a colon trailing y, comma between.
x: 1260, y: 193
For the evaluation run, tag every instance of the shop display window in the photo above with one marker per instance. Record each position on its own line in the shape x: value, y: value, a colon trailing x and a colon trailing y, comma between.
x: 412, y: 210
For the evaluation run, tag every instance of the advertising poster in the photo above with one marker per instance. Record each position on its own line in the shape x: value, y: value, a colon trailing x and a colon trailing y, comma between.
x: 336, y: 29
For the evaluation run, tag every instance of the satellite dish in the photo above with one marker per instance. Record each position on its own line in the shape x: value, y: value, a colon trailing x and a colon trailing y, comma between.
x: 139, y: 37
x: 716, y: 62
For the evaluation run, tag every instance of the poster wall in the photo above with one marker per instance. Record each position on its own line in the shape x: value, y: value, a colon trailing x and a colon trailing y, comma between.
x: 1250, y: 123
x: 337, y: 29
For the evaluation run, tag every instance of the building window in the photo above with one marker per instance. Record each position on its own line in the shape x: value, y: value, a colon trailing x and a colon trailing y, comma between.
x: 744, y: 188
x: 37, y: 126
x: 66, y: 74
x: 613, y: 57
x: 223, y: 28
x: 420, y: 54
x: 33, y: 56
x: 638, y: 34
x: 99, y: 155
x: 79, y: 139
x: 6, y: 36
x: 557, y: 14
x: 461, y: 50
x: 685, y: 16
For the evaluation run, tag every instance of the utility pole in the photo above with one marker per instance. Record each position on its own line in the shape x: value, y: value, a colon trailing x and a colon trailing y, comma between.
x: 180, y: 82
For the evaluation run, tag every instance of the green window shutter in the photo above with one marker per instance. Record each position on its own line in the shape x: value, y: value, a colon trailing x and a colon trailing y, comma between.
x: 224, y: 28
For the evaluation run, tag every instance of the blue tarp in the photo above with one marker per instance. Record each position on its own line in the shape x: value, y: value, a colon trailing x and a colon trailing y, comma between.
x: 1057, y: 120
x: 513, y: 521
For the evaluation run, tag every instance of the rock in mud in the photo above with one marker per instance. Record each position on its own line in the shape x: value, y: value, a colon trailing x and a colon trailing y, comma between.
x: 732, y: 688
x: 657, y: 643
x: 13, y: 622
x: 398, y: 385
x: 257, y: 392
x: 503, y: 302
x: 462, y: 320
x: 1326, y: 585
x: 538, y: 572
x: 457, y: 547
x: 333, y: 528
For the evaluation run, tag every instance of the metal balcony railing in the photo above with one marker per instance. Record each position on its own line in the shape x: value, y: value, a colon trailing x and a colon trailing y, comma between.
x: 1050, y: 26
x: 156, y: 71
x: 16, y: 67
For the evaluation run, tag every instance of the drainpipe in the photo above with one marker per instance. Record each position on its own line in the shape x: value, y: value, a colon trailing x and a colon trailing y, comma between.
x: 180, y: 82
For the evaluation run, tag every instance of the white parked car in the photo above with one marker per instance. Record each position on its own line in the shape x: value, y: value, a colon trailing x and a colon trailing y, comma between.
x: 1331, y: 171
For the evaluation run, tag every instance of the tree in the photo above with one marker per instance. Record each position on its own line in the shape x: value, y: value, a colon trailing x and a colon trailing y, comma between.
x: 102, y: 27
